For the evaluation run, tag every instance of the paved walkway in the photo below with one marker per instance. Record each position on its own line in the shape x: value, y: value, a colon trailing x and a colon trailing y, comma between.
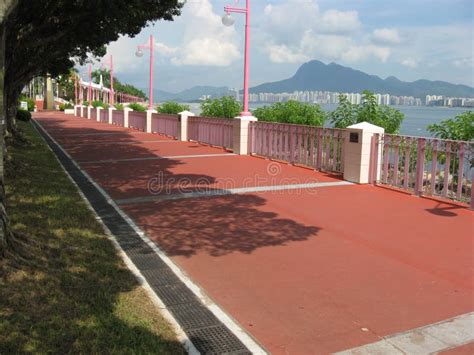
x: 306, y: 263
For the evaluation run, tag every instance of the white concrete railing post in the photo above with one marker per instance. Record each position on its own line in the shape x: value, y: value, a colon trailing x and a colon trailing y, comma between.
x: 183, y: 125
x: 241, y: 134
x: 111, y: 112
x: 149, y: 114
x: 81, y: 112
x: 98, y: 113
x: 89, y: 108
x: 126, y: 110
x: 357, y: 152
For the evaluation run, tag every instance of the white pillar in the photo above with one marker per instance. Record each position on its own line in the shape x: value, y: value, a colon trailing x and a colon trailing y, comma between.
x: 111, y: 112
x: 89, y: 108
x: 98, y: 113
x: 241, y: 134
x: 183, y: 125
x: 148, y: 120
x: 126, y: 110
x: 357, y: 152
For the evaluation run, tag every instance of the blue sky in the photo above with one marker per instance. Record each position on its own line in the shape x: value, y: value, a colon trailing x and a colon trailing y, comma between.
x: 411, y: 40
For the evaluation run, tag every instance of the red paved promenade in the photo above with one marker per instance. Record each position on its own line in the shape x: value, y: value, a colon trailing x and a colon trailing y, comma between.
x: 305, y: 270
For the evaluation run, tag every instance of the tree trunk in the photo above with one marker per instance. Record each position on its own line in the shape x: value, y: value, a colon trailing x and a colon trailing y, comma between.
x: 5, y: 233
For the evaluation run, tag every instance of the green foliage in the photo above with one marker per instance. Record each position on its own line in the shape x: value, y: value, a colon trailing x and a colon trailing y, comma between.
x: 292, y: 112
x: 65, y: 106
x: 118, y: 86
x: 172, y: 107
x: 49, y: 37
x: 85, y: 103
x: 225, y: 107
x: 460, y: 128
x: 368, y: 111
x: 137, y: 107
x: 97, y: 103
x: 29, y: 101
x: 119, y: 107
x: 23, y: 115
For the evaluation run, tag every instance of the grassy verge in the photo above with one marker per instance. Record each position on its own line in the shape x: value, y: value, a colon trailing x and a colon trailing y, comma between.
x: 64, y: 289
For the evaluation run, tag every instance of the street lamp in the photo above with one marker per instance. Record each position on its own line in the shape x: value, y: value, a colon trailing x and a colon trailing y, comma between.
x: 139, y: 54
x: 228, y: 20
x: 110, y: 63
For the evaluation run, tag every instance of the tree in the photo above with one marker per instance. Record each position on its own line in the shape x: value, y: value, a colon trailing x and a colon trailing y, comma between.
x: 43, y: 37
x: 345, y: 114
x: 368, y: 111
x: 172, y: 107
x: 460, y: 128
x: 225, y: 107
x: 47, y: 36
x: 292, y: 112
x: 5, y: 233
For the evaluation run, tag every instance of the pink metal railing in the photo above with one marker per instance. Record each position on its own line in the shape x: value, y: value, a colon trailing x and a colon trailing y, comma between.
x: 165, y: 124
x: 117, y: 118
x: 93, y: 113
x: 137, y: 120
x: 428, y: 166
x: 211, y: 130
x: 321, y: 148
x: 104, y: 115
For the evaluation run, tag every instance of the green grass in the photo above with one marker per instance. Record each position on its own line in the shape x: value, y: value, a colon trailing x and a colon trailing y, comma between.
x: 63, y: 288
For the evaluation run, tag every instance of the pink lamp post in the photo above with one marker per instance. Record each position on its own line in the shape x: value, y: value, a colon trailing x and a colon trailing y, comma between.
x: 228, y: 20
x: 90, y: 85
x: 139, y: 53
x: 110, y: 63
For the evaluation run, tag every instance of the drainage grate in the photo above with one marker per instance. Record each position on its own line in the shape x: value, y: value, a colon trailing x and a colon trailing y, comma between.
x: 147, y: 261
x: 191, y: 317
x: 172, y: 295
x: 160, y: 277
x: 216, y: 340
x: 205, y: 331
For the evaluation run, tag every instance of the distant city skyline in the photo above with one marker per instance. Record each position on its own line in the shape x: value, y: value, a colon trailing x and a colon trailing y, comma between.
x: 408, y: 39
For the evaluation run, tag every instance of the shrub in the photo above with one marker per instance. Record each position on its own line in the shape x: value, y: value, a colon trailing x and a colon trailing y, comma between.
x: 23, y: 115
x: 97, y: 103
x: 65, y: 106
x: 292, y: 112
x: 226, y: 107
x: 30, y: 102
x: 384, y: 116
x: 119, y: 107
x: 85, y: 103
x: 172, y: 107
x: 459, y: 128
x: 137, y: 107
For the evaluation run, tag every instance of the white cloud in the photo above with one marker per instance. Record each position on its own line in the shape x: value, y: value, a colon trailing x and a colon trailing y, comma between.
x: 410, y: 62
x: 334, y: 21
x: 282, y: 54
x: 356, y: 53
x: 206, y: 41
x: 386, y: 36
x: 207, y: 51
x: 465, y: 62
x: 295, y: 31
x: 164, y: 50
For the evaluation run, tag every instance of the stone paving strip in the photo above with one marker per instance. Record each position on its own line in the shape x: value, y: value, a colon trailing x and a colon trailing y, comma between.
x: 222, y: 192
x: 155, y: 158
x: 432, y: 338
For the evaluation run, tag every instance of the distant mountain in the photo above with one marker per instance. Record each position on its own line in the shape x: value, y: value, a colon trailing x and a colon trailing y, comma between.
x: 192, y: 94
x: 316, y: 75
